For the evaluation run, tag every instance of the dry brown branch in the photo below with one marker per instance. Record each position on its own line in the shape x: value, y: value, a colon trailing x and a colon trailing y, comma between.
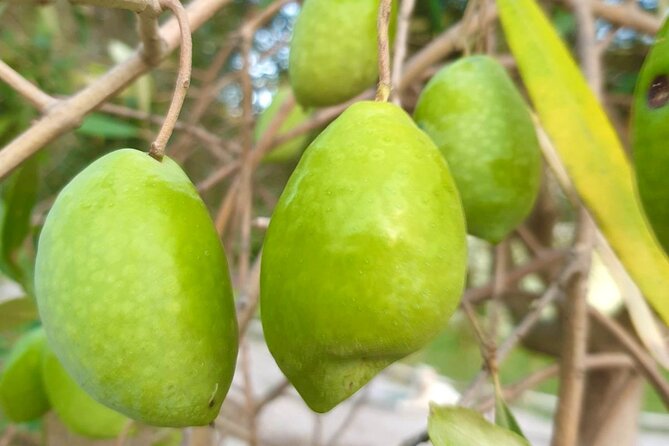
x: 68, y: 113
x: 401, y: 44
x: 574, y: 341
x: 443, y: 45
x: 644, y: 361
x: 39, y: 99
x: 520, y: 331
x: 8, y: 435
x: 547, y: 259
x: 591, y: 362
x: 273, y: 393
x: 138, y: 6
x: 383, y: 20
x: 575, y: 312
x: 248, y: 393
x: 514, y: 391
x: 626, y: 14
x: 149, y: 33
x: 248, y: 303
x: 348, y: 420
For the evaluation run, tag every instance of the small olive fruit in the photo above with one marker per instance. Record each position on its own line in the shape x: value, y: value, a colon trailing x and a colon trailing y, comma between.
x: 75, y: 408
x: 480, y: 122
x: 364, y: 258
x: 291, y: 149
x: 333, y: 53
x: 650, y: 136
x: 22, y: 396
x: 133, y: 289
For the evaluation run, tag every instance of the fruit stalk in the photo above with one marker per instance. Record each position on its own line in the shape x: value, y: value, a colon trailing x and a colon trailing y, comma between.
x: 183, y: 80
x: 383, y: 21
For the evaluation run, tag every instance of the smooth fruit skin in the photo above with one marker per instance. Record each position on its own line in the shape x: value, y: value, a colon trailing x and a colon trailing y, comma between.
x: 74, y: 407
x: 133, y: 290
x: 650, y: 136
x: 478, y: 119
x: 364, y: 259
x: 22, y: 395
x: 333, y: 53
x: 289, y: 150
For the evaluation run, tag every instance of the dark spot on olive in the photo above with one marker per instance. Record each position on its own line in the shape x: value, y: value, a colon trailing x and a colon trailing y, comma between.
x: 658, y: 93
x: 211, y: 402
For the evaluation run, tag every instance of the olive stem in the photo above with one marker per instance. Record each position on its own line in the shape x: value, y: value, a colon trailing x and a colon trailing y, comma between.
x: 384, y: 87
x: 183, y: 80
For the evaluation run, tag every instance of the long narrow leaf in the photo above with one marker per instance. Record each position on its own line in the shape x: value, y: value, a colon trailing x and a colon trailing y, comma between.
x: 587, y: 144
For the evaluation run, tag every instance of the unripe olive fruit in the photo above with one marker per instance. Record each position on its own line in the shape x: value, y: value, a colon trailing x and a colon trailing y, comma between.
x: 364, y: 258
x: 291, y: 149
x: 480, y: 122
x: 650, y: 135
x: 334, y: 53
x: 22, y: 395
x: 133, y: 289
x: 75, y: 408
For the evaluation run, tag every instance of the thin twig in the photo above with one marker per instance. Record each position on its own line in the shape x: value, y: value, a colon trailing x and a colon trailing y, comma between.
x: 545, y: 260
x: 67, y: 114
x: 521, y: 330
x: 137, y: 6
x: 574, y: 341
x: 39, y: 99
x: 401, y: 44
x: 272, y: 394
x: 628, y: 15
x: 382, y: 23
x: 183, y: 80
x: 596, y: 361
x: 248, y: 393
x: 149, y: 33
x: 348, y: 420
x: 568, y: 416
x: 645, y: 362
x: 512, y: 392
x: 7, y: 437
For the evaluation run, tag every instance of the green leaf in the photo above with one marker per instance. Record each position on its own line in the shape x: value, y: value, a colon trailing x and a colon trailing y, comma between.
x: 104, y: 126
x: 587, y: 144
x: 16, y: 312
x: 459, y: 426
x: 503, y: 415
x: 19, y: 195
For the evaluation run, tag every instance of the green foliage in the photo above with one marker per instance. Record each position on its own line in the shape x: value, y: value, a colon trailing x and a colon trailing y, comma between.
x: 107, y: 127
x: 15, y: 313
x: 19, y: 194
x: 587, y: 145
x: 458, y: 426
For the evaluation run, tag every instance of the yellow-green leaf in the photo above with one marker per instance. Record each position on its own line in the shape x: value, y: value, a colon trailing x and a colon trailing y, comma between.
x: 459, y: 426
x: 587, y: 144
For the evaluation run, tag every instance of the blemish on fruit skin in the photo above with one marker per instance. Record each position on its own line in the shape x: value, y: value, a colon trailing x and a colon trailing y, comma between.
x: 658, y: 92
x: 212, y: 399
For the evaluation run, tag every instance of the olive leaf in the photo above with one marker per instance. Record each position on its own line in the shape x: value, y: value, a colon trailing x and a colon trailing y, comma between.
x: 587, y: 144
x: 459, y: 426
x: 503, y: 415
x: 19, y: 194
x: 103, y: 126
x: 16, y: 312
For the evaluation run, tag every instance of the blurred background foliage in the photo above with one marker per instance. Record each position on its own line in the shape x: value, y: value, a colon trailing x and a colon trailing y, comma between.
x: 61, y: 48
